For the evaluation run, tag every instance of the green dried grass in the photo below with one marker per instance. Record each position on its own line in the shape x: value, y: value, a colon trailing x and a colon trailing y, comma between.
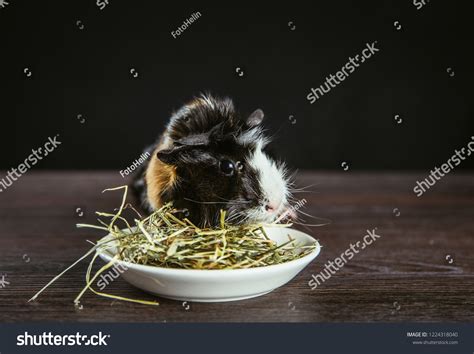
x: 164, y: 240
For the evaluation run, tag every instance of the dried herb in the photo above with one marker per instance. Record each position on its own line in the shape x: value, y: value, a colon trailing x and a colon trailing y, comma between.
x: 164, y: 240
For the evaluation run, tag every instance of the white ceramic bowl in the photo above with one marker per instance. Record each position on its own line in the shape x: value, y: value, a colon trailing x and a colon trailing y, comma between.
x: 218, y: 285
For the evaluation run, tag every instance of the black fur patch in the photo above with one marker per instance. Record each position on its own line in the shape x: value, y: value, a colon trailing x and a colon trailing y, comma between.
x: 204, y: 133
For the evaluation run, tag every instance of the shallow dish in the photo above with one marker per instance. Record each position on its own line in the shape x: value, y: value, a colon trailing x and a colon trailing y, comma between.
x: 221, y: 284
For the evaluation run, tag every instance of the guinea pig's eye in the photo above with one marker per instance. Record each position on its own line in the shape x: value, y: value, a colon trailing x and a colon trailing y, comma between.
x: 239, y: 165
x: 227, y: 167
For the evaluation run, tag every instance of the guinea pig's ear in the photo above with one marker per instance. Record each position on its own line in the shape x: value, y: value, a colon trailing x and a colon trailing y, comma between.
x: 255, y: 118
x: 170, y: 156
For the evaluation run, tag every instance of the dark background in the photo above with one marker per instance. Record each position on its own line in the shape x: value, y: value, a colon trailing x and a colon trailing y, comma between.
x: 88, y: 72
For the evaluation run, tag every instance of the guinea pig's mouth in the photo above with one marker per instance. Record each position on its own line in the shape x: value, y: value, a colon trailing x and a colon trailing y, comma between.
x: 260, y: 214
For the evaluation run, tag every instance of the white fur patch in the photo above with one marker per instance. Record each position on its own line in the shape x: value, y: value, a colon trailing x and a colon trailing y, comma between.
x: 208, y: 100
x: 272, y: 183
x: 253, y: 136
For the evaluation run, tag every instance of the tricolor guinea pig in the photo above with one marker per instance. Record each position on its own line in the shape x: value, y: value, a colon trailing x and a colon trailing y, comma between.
x: 211, y: 158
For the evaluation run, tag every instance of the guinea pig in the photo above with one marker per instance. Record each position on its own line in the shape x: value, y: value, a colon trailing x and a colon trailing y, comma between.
x: 210, y: 158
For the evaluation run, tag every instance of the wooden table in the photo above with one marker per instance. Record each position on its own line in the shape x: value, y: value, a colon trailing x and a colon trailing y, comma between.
x: 421, y: 268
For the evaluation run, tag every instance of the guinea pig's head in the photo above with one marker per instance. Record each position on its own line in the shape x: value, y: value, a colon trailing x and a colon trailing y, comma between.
x: 226, y: 167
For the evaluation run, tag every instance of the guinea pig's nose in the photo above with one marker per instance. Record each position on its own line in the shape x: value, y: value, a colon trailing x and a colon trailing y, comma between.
x: 270, y: 207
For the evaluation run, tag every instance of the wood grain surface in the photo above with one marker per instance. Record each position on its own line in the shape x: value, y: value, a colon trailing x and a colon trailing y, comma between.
x: 421, y: 269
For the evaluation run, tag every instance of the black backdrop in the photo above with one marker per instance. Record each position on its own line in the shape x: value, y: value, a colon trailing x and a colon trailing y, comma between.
x: 87, y: 71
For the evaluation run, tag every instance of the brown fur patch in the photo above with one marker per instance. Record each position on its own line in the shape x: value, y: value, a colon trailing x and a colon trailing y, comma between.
x: 159, y: 177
